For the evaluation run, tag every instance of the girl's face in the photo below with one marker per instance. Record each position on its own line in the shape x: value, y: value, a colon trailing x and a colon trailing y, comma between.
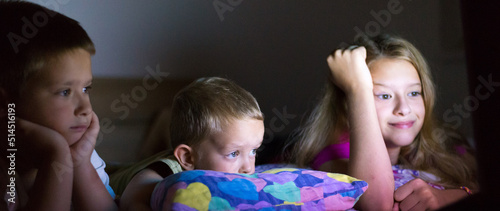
x: 398, y: 99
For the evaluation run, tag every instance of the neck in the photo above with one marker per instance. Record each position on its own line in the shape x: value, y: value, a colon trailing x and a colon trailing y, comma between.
x: 394, y: 154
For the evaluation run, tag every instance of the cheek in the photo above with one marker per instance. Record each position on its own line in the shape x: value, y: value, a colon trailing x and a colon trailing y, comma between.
x: 419, y: 108
x: 225, y: 166
x: 54, y: 113
x: 383, y: 111
x: 218, y: 166
x: 39, y: 113
x: 209, y: 161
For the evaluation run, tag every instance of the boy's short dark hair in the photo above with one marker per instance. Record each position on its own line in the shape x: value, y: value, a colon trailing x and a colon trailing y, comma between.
x: 30, y: 36
x: 205, y: 106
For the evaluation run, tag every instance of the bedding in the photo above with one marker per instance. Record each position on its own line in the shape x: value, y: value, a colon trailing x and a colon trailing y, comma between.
x: 273, y: 189
x: 402, y: 176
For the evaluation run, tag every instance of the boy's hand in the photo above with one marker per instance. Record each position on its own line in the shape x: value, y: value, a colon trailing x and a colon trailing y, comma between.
x: 349, y: 70
x: 83, y: 148
x: 39, y: 145
x: 48, y: 151
x: 89, y: 192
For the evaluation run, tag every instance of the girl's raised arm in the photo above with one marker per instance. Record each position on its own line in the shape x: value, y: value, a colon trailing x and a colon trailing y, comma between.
x: 369, y: 159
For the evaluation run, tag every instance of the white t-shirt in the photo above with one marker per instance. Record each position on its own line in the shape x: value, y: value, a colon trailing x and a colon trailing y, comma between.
x: 99, y: 166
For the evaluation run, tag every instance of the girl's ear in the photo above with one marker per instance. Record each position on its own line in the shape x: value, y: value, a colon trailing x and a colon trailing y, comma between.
x: 184, y: 155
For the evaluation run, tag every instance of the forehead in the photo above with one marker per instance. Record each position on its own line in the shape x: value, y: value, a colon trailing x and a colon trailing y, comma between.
x: 395, y: 70
x: 68, y: 66
x: 239, y: 133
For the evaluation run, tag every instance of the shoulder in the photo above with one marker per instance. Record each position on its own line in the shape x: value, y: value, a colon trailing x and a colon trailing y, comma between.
x: 120, y: 179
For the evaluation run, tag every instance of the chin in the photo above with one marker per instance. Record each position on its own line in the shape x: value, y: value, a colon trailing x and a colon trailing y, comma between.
x: 401, y: 140
x: 405, y: 141
x: 73, y: 139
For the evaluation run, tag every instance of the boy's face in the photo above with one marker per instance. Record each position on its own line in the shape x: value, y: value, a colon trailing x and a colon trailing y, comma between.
x: 232, y: 150
x: 59, y: 98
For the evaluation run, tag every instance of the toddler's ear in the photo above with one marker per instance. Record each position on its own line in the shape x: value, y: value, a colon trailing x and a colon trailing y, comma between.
x: 184, y: 155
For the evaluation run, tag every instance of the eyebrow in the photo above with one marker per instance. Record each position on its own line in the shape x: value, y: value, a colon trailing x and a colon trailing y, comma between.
x: 68, y: 83
x: 238, y: 145
x: 384, y: 85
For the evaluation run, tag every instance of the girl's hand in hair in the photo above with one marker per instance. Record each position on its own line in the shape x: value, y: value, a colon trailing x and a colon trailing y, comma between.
x: 349, y: 69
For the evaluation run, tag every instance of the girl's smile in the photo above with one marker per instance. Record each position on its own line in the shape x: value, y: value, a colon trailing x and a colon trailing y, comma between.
x: 402, y: 125
x: 398, y: 100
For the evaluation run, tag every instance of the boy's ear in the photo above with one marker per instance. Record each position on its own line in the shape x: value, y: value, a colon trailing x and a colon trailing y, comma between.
x: 184, y: 155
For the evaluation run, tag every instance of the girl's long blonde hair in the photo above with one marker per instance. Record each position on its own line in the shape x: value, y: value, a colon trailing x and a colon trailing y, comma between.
x: 432, y: 150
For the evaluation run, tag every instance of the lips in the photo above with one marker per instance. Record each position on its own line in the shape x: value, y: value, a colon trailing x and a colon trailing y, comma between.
x: 403, y: 125
x: 79, y: 128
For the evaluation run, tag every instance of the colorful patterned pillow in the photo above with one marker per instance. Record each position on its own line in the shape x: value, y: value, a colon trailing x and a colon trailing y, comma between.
x: 275, y: 189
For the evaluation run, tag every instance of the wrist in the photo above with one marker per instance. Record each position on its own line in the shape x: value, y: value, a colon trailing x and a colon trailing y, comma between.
x: 60, y: 155
x: 360, y: 94
x: 467, y: 190
x: 453, y: 195
x: 357, y: 88
x: 83, y: 166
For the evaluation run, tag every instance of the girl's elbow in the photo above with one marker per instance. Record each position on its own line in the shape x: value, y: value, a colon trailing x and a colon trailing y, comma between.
x: 388, y: 205
x: 375, y: 206
x: 376, y: 201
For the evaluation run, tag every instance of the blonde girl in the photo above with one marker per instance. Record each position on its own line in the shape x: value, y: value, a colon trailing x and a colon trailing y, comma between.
x: 377, y: 115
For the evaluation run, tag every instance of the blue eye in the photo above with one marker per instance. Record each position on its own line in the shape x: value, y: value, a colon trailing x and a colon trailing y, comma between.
x: 384, y: 96
x: 65, y: 92
x: 253, y: 152
x: 233, y: 154
x: 414, y: 94
x: 87, y: 89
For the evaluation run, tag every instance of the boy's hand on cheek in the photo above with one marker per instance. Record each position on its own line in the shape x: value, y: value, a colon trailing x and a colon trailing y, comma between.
x: 39, y: 145
x: 83, y: 148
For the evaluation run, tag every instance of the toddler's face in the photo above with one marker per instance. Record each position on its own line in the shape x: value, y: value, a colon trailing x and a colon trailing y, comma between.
x: 232, y: 150
x: 59, y: 98
x: 398, y: 100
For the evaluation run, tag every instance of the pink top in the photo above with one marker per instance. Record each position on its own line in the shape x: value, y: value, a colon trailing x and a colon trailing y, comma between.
x: 341, y: 151
x: 401, y: 175
x: 333, y: 152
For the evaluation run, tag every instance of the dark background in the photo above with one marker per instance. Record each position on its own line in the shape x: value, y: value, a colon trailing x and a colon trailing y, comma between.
x: 277, y: 50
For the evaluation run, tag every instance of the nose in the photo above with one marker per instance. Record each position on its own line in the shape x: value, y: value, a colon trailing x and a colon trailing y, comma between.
x: 402, y: 107
x: 247, y: 166
x: 82, y: 105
